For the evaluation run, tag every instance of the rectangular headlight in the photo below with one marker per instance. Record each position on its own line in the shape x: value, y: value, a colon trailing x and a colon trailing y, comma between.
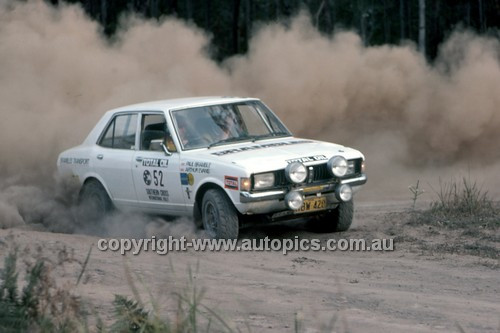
x: 263, y: 180
x: 351, y: 167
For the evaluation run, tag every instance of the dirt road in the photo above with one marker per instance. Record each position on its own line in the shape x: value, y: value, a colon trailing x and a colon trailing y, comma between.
x: 405, y: 290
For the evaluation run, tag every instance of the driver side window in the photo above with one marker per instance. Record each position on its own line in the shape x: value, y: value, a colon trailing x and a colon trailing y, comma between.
x: 154, y: 128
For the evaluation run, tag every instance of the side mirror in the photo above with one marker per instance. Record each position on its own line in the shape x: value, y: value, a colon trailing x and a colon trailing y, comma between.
x: 159, y: 145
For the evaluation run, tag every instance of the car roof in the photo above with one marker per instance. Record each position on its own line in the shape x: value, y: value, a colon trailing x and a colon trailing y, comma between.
x: 179, y: 103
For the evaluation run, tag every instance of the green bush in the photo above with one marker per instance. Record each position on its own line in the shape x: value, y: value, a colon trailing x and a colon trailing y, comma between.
x: 463, y: 199
x: 34, y: 308
x: 44, y: 307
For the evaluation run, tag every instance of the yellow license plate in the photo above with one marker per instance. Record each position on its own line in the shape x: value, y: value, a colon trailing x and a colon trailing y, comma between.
x: 312, y: 204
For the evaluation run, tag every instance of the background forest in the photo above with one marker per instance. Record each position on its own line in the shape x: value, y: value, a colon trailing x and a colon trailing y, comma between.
x: 231, y: 22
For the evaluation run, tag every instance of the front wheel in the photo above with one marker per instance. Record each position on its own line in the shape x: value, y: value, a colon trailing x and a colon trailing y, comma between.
x: 339, y: 219
x: 220, y: 218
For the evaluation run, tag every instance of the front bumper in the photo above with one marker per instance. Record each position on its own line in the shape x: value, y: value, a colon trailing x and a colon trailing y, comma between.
x: 247, y: 197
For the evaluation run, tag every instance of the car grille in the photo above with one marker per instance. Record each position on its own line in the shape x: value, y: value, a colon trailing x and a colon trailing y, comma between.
x: 320, y: 174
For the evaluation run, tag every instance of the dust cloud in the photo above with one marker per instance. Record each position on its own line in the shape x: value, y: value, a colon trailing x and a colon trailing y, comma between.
x: 412, y: 119
x: 442, y: 113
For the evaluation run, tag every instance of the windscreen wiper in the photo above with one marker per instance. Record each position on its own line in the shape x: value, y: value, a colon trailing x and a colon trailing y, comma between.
x: 235, y: 139
x: 270, y: 135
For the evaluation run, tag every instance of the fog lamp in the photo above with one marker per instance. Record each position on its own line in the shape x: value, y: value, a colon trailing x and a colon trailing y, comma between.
x: 344, y: 192
x: 294, y: 200
x: 296, y: 172
x: 337, y: 165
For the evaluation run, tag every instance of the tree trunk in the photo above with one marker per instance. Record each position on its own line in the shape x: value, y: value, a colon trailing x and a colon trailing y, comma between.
x: 362, y: 20
x: 409, y: 16
x: 154, y: 9
x: 402, y: 20
x: 421, y: 27
x: 104, y: 13
x: 189, y: 10
x: 318, y: 13
x: 387, y: 33
x: 236, y: 20
x: 333, y: 14
x: 328, y: 16
x: 248, y: 21
x: 173, y: 6
x: 208, y: 23
x: 481, y: 16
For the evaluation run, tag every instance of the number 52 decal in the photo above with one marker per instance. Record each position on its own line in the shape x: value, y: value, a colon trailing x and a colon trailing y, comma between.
x: 158, y: 178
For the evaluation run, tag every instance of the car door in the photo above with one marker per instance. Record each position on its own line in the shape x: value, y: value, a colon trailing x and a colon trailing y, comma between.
x: 112, y: 158
x: 156, y: 175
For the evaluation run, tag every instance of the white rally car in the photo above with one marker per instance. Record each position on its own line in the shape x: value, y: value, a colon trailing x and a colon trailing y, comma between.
x: 221, y: 160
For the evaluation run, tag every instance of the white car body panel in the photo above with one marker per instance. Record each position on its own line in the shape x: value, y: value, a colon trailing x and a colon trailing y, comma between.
x: 165, y: 183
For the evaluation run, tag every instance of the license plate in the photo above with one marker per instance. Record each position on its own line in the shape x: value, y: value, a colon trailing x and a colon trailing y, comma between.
x: 312, y: 204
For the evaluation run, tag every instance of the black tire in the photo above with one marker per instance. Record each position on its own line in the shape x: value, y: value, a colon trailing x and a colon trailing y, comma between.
x: 343, y: 216
x: 220, y: 218
x: 94, y: 203
x: 337, y: 220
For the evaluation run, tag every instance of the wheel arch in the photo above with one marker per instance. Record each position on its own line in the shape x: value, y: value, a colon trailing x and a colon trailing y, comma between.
x: 95, y: 178
x: 199, y: 199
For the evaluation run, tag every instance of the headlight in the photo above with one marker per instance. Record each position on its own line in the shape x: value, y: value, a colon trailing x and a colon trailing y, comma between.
x: 296, y: 172
x: 263, y: 180
x: 351, y: 167
x: 337, y: 165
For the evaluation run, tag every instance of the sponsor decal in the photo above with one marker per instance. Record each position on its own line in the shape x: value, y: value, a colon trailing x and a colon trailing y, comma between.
x: 187, y: 179
x: 155, y: 162
x: 155, y: 178
x: 254, y: 147
x: 157, y: 195
x: 74, y: 160
x: 188, y: 192
x: 231, y: 182
x: 308, y: 159
x: 147, y: 177
x: 197, y: 167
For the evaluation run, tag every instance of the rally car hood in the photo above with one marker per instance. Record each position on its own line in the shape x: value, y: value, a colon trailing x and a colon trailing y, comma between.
x: 275, y: 154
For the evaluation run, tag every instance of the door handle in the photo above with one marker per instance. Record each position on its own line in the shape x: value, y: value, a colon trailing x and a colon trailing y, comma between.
x: 138, y: 159
x: 100, y: 156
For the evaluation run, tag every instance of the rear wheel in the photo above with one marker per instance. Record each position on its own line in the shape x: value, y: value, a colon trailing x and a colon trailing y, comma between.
x: 220, y: 218
x: 339, y: 219
x: 94, y: 203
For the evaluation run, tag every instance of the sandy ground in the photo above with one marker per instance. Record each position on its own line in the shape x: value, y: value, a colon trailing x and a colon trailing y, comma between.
x: 404, y: 290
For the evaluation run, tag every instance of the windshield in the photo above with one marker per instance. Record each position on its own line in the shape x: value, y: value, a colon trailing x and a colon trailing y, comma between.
x: 213, y: 125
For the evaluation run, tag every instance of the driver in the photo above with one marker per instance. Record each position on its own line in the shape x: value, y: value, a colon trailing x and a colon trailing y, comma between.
x: 184, y: 133
x: 229, y: 127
